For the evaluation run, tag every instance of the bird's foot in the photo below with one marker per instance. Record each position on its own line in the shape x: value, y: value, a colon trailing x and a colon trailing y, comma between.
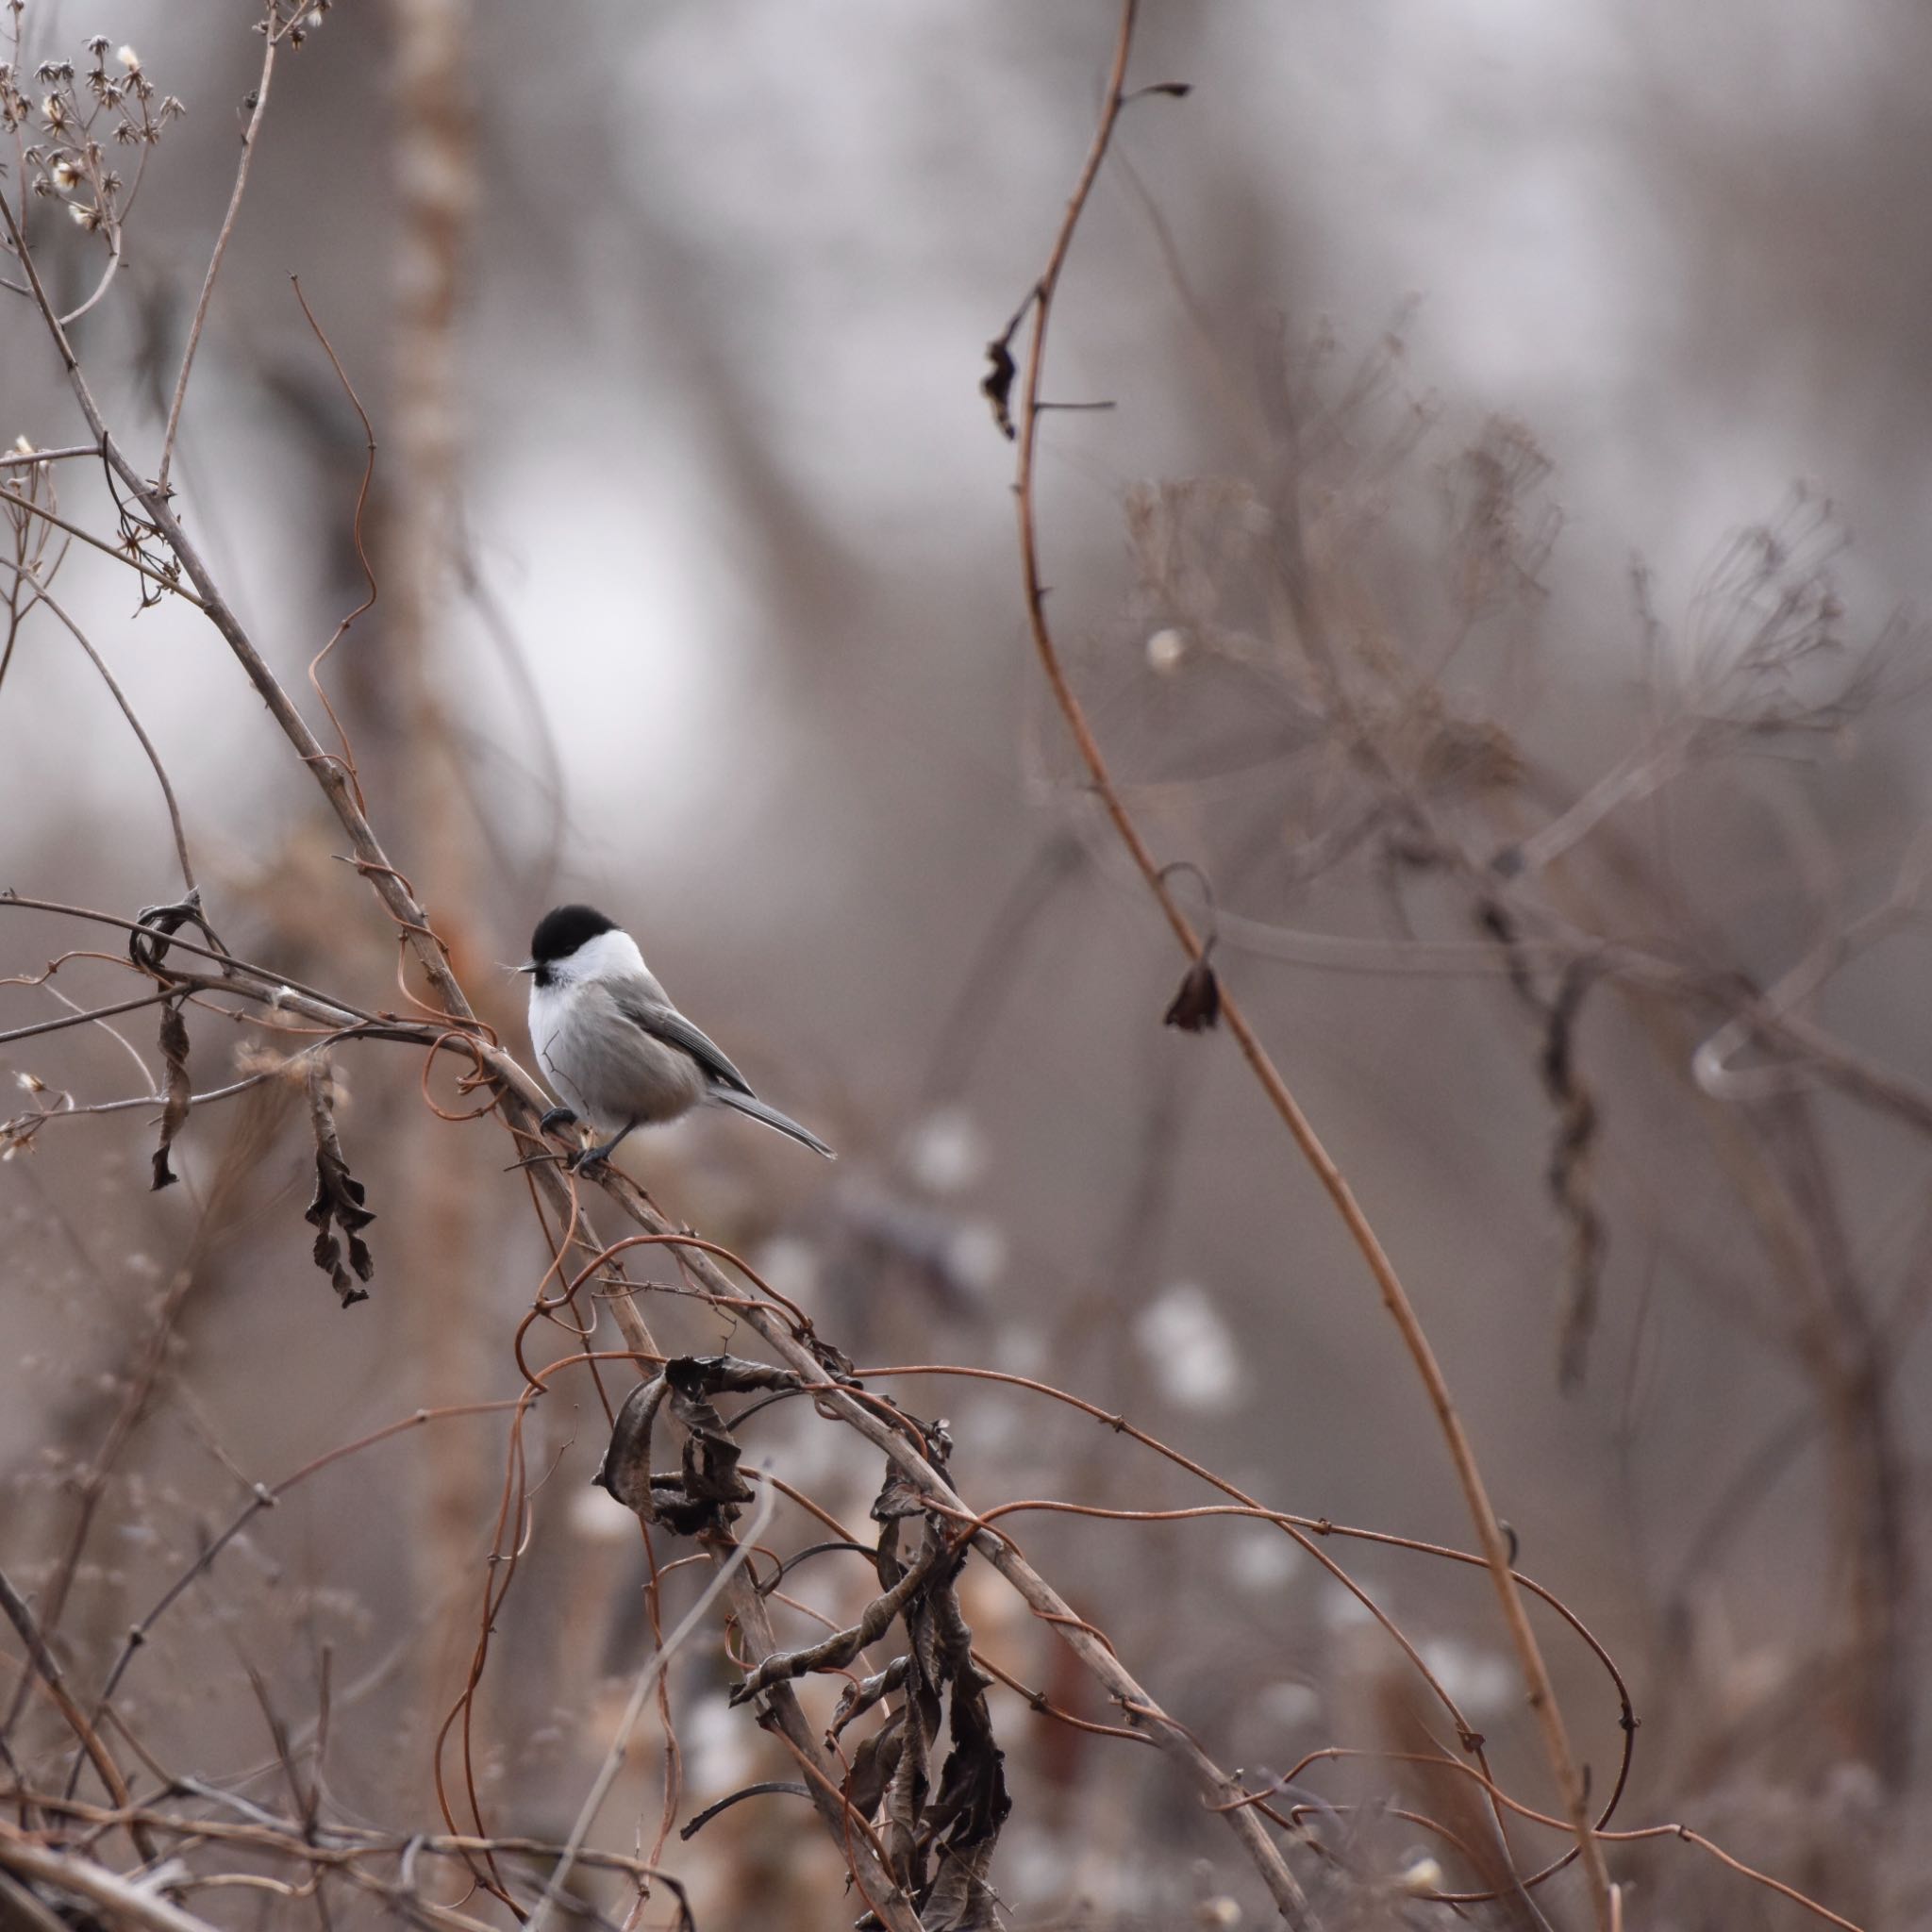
x: 587, y: 1158
x: 556, y: 1120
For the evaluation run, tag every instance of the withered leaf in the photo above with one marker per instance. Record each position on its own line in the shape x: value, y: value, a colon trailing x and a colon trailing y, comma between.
x: 972, y: 1803
x: 174, y: 1106
x: 339, y: 1196
x: 873, y: 1763
x: 1197, y: 1006
x: 859, y: 1698
x: 702, y: 1497
x: 624, y: 1474
x: 834, y: 1652
x: 996, y: 386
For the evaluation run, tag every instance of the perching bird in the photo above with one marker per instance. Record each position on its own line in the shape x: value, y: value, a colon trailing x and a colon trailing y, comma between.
x: 611, y: 1043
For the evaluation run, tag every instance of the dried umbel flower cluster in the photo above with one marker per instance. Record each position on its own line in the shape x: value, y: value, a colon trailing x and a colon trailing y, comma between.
x: 64, y: 118
x: 292, y: 20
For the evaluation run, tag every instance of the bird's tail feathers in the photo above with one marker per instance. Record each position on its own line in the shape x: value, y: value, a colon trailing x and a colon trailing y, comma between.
x: 750, y: 1104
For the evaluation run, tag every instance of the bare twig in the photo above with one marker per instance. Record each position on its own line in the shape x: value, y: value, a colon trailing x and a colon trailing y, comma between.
x: 128, y: 711
x: 121, y: 552
x: 271, y: 39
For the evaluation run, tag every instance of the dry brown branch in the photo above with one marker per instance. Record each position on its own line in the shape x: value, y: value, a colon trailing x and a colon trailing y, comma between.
x: 1395, y: 1298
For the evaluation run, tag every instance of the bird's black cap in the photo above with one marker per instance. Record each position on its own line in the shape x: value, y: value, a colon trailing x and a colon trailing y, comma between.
x: 561, y: 932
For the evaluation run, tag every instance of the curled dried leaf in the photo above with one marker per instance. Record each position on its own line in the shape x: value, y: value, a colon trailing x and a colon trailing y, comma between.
x: 174, y: 1106
x: 338, y: 1195
x: 624, y: 1474
x: 147, y: 946
x: 702, y: 1496
x: 833, y: 1653
x: 859, y: 1698
x: 996, y: 386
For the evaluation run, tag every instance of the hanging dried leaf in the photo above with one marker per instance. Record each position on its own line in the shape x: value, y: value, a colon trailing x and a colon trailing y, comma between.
x: 1568, y: 1173
x: 1197, y: 1006
x: 875, y: 1762
x: 174, y: 1108
x: 338, y: 1195
x: 972, y: 1805
x: 625, y: 1471
x: 996, y: 386
x: 938, y: 1838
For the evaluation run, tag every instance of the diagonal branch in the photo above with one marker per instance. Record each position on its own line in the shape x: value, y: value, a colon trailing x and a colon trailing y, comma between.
x: 128, y: 711
x: 1562, y: 1762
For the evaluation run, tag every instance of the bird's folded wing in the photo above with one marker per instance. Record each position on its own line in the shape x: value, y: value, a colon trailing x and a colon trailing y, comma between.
x: 667, y: 1023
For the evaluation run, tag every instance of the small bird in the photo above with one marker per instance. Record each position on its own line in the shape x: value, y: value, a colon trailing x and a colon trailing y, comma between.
x: 609, y: 1041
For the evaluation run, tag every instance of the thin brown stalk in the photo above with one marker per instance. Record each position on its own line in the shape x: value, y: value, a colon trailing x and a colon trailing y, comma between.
x: 270, y: 42
x: 1395, y: 1298
x: 134, y: 724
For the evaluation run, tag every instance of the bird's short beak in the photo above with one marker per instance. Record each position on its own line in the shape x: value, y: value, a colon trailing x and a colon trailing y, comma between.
x: 528, y: 966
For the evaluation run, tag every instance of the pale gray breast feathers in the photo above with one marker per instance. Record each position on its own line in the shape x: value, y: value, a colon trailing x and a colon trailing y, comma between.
x: 606, y: 1067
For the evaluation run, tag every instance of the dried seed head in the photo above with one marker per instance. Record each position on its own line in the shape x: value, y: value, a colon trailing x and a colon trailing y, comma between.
x: 129, y: 59
x: 86, y: 216
x: 65, y: 174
